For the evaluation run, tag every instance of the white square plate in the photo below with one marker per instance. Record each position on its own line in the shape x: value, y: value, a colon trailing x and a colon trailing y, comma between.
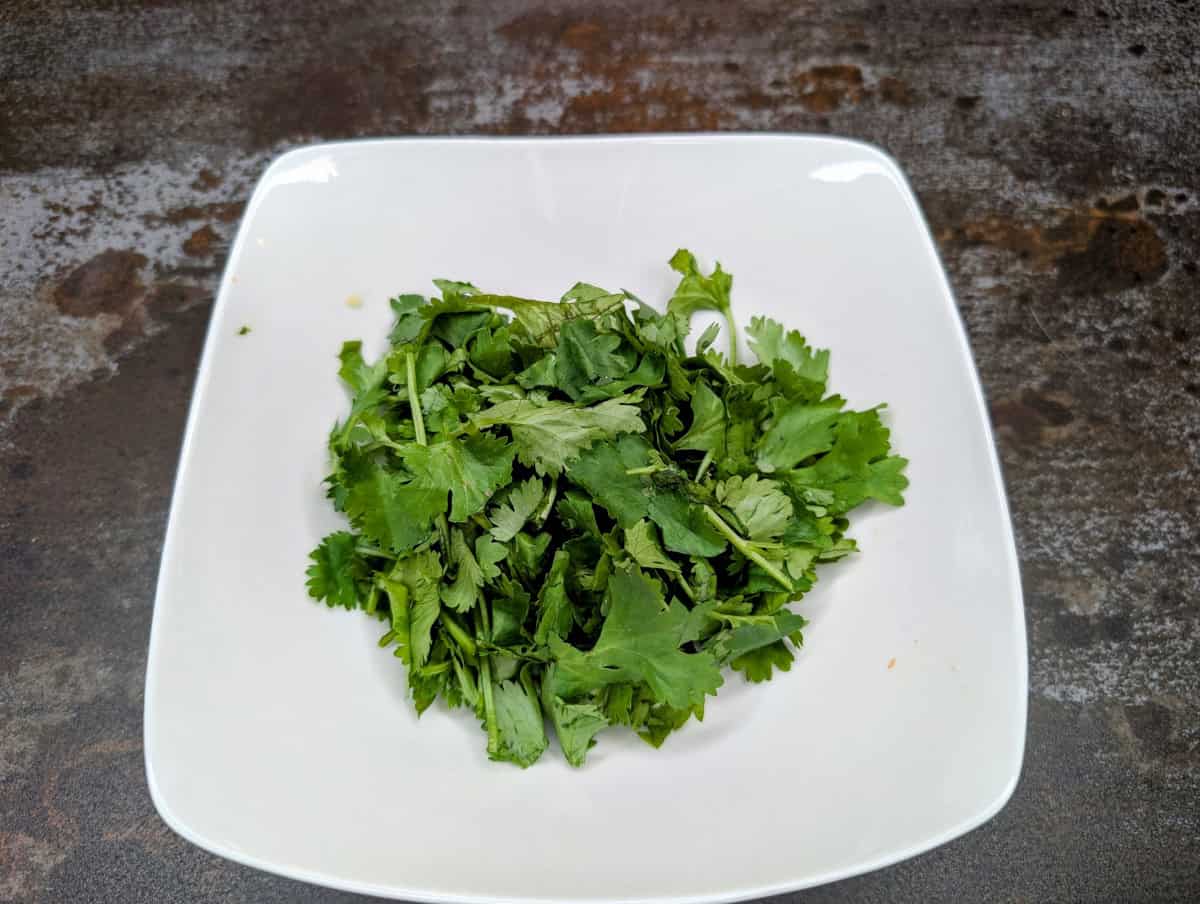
x: 278, y: 734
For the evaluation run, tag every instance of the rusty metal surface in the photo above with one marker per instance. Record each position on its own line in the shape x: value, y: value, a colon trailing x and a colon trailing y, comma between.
x: 1056, y: 151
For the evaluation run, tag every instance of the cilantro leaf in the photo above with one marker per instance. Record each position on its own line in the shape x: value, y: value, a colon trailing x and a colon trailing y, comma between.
x: 455, y: 327
x: 641, y: 542
x: 586, y: 357
x: 397, y: 594
x: 761, y: 506
x: 462, y: 594
x: 771, y: 344
x: 549, y: 434
x: 541, y: 320
x: 707, y: 432
x: 798, y: 432
x: 492, y: 352
x: 640, y: 641
x: 355, y: 372
x: 661, y: 720
x: 366, y: 383
x: 577, y: 513
x: 508, y: 616
x: 469, y: 470
x: 757, y: 665
x: 522, y: 734
x: 554, y: 606
x: 489, y: 554
x: 391, y: 511
x: 409, y: 322
x: 540, y: 373
x: 684, y: 527
x: 419, y: 574
x: 575, y: 724
x: 697, y: 292
x: 510, y: 515
x: 604, y: 471
x: 336, y: 571
x: 857, y: 467
x: 526, y: 553
x: 748, y: 633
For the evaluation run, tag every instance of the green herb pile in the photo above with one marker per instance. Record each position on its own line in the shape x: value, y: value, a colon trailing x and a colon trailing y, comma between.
x: 566, y: 517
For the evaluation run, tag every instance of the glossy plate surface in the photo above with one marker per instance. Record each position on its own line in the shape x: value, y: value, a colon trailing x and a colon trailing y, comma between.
x: 278, y: 734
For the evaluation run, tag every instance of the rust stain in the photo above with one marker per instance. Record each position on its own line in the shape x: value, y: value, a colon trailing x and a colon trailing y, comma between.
x: 109, y: 283
x: 627, y: 107
x: 631, y: 88
x: 174, y: 297
x: 24, y: 863
x: 896, y: 92
x: 1120, y: 254
x: 586, y: 37
x: 595, y: 35
x: 1124, y: 204
x: 201, y: 242
x: 1106, y: 247
x: 150, y: 832
x: 161, y: 298
x: 22, y: 392
x: 1034, y: 417
x: 756, y: 99
x: 206, y: 180
x: 64, y: 826
x: 110, y: 747
x: 825, y: 88
x: 221, y: 211
x: 109, y: 286
x: 381, y: 87
x: 624, y: 100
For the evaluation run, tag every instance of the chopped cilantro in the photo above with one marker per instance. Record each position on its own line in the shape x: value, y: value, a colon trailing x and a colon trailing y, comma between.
x: 565, y: 518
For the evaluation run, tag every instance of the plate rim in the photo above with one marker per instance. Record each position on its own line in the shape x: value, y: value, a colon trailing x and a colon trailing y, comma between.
x: 434, y: 896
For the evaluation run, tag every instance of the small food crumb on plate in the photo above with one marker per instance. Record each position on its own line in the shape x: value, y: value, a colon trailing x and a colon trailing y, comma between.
x: 891, y: 663
x: 354, y: 301
x: 244, y: 330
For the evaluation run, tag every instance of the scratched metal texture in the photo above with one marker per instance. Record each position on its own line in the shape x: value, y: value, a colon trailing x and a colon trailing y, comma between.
x: 1055, y: 148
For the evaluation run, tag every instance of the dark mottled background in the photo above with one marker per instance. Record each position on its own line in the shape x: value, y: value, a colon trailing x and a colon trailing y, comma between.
x: 1055, y: 147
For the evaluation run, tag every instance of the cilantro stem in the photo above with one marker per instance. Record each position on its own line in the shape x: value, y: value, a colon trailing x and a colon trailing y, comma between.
x: 645, y: 469
x: 733, y: 335
x: 687, y: 588
x: 551, y: 496
x: 483, y: 376
x: 363, y: 550
x: 531, y: 688
x: 704, y: 463
x: 410, y: 377
x: 389, y: 443
x: 746, y: 549
x: 458, y: 632
x: 482, y: 522
x: 482, y: 630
